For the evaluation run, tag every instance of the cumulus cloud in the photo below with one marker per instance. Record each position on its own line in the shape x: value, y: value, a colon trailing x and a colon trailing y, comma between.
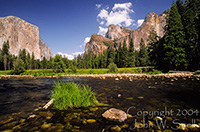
x: 98, y: 6
x: 87, y: 39
x: 70, y: 57
x: 77, y: 53
x: 103, y: 14
x: 123, y: 6
x: 139, y: 22
x: 119, y: 15
x: 102, y: 23
x: 102, y: 30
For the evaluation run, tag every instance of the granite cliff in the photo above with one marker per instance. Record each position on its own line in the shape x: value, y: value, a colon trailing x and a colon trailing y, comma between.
x: 22, y: 35
x: 116, y: 35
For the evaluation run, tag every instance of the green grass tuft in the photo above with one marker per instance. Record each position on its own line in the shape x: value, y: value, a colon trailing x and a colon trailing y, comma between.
x: 70, y: 95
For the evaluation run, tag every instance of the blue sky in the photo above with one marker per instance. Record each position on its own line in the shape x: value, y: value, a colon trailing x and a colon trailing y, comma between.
x: 65, y: 24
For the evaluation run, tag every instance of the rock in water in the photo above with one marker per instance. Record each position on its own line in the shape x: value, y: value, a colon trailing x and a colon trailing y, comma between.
x: 115, y: 114
x: 115, y: 129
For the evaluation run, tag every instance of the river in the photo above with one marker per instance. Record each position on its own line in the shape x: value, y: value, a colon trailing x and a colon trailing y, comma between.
x: 21, y: 102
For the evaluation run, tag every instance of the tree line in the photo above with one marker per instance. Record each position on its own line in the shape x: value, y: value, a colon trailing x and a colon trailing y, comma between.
x: 179, y: 49
x: 27, y: 61
x: 121, y: 56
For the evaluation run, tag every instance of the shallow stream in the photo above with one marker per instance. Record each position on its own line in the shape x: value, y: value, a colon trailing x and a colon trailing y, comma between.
x: 174, y: 100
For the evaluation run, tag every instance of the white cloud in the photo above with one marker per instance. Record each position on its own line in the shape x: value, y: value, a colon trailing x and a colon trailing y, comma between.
x: 139, y: 22
x: 77, y: 53
x: 102, y: 23
x: 87, y: 39
x: 102, y: 31
x: 70, y: 57
x: 103, y: 14
x: 119, y: 15
x: 98, y: 6
x: 124, y: 6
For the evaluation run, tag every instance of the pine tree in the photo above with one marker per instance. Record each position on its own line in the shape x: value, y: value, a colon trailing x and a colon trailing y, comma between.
x: 131, y: 52
x: 5, y: 54
x: 180, y: 6
x: 5, y: 61
x: 194, y: 5
x: 124, y: 55
x: 5, y: 48
x: 105, y: 59
x: 59, y: 66
x: 79, y: 62
x: 50, y: 63
x: 191, y: 37
x: 152, y: 46
x: 33, y: 62
x: 18, y: 66
x: 96, y: 61
x: 23, y: 56
x: 143, y: 56
x: 29, y: 65
x: 44, y: 63
x: 137, y: 62
x: 153, y: 37
x: 175, y: 56
x: 157, y: 54
x: 119, y: 56
x: 111, y: 55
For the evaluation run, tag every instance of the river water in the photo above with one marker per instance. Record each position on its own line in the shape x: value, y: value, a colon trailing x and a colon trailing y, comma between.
x: 175, y: 101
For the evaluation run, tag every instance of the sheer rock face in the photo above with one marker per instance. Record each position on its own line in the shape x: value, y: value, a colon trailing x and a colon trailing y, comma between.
x: 22, y: 35
x: 117, y: 35
x: 45, y: 51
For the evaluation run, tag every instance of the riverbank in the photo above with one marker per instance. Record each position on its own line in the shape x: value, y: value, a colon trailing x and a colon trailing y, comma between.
x: 175, y: 76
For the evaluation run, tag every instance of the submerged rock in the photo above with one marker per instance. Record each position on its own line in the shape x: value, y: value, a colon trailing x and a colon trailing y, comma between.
x: 31, y: 116
x: 116, y: 79
x: 141, y: 97
x: 125, y: 126
x: 194, y: 127
x: 157, y: 118
x: 115, y: 129
x: 46, y: 125
x: 115, y: 114
x: 139, y: 125
x: 182, y: 126
x: 91, y: 120
x: 93, y: 109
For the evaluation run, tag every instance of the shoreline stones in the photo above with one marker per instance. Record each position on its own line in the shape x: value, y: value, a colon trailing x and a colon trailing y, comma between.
x: 129, y: 76
x: 114, y: 114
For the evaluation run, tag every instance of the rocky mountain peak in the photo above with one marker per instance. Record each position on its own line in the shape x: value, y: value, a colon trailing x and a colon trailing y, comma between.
x: 116, y: 35
x: 22, y: 35
x: 98, y: 44
x: 115, y: 32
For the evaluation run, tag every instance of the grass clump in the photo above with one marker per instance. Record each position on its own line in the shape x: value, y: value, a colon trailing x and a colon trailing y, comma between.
x: 69, y: 95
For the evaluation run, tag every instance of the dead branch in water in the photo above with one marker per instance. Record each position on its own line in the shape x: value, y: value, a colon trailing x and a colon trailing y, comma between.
x: 48, y: 104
